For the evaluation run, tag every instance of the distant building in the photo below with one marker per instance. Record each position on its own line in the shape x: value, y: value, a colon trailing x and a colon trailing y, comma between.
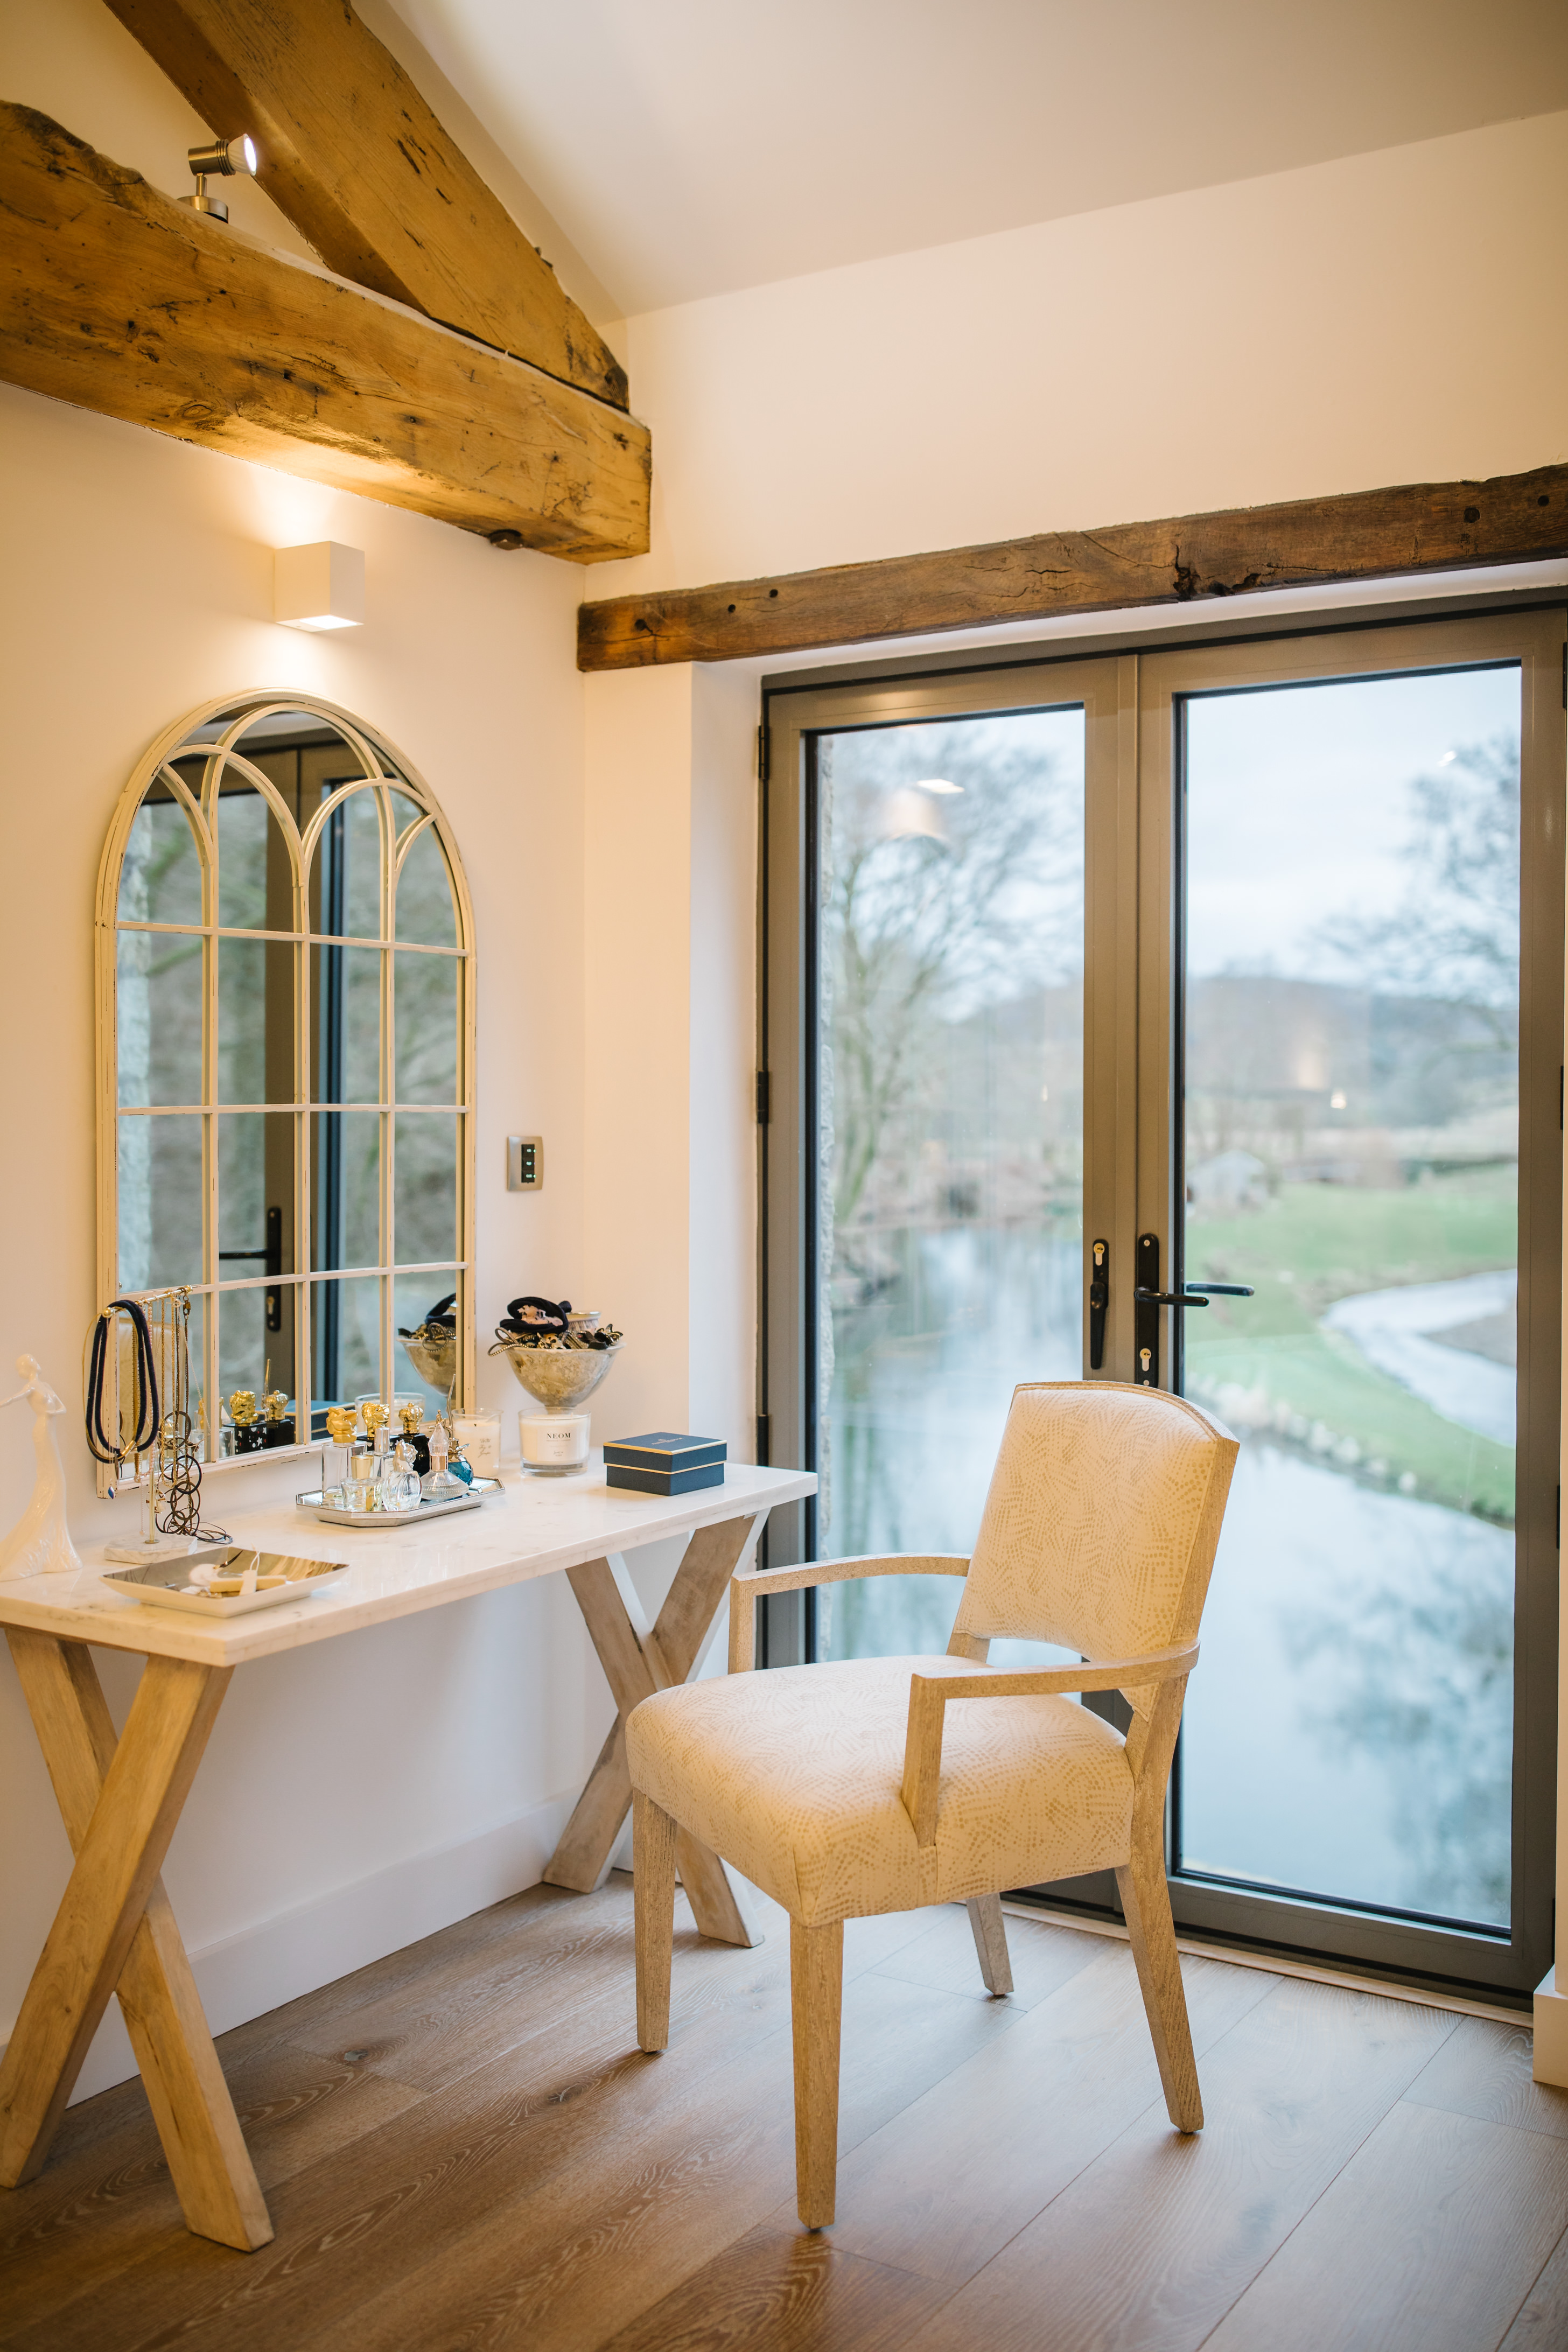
x: 1226, y: 1182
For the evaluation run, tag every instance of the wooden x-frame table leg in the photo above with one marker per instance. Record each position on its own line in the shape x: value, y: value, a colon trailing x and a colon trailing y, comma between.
x: 639, y: 1659
x: 115, y: 1932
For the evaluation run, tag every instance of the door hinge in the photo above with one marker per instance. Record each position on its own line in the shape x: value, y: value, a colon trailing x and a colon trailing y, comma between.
x: 762, y: 752
x: 764, y: 1097
x: 764, y: 1437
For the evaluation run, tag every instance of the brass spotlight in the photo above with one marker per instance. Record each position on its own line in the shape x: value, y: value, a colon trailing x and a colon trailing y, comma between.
x: 220, y: 159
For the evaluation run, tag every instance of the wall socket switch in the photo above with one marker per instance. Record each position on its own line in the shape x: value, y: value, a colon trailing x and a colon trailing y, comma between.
x: 525, y: 1163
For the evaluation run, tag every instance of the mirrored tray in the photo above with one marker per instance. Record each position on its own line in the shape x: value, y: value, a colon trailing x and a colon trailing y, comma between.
x: 165, y: 1583
x: 315, y: 1501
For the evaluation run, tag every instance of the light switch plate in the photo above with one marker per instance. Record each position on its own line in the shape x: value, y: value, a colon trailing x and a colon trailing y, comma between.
x: 525, y: 1163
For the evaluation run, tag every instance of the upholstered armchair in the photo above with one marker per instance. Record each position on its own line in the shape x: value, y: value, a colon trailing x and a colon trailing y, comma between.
x: 881, y: 1784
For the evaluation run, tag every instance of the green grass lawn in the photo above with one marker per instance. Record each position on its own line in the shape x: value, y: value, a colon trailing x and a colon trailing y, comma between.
x: 1268, y: 1363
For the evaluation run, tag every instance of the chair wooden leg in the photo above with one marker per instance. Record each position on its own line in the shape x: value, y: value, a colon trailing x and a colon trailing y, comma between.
x: 1146, y: 1905
x: 816, y: 1992
x: 653, y: 1900
x: 991, y: 1943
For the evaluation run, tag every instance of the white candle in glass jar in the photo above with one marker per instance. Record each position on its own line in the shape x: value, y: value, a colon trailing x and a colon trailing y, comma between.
x: 554, y: 1442
x: 479, y: 1434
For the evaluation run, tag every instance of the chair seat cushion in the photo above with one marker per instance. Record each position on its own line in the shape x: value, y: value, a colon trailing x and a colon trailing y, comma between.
x: 794, y: 1777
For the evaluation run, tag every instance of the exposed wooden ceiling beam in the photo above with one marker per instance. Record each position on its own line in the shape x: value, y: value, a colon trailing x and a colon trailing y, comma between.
x: 119, y: 299
x: 354, y: 157
x: 1365, y: 534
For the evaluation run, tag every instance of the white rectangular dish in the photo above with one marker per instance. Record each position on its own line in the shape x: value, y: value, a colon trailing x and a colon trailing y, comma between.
x: 315, y: 1501
x: 166, y: 1583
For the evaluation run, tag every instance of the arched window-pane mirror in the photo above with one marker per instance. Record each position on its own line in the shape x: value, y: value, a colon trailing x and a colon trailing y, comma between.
x: 286, y: 1056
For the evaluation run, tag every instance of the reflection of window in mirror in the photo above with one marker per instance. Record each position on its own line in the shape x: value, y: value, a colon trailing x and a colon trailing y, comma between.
x: 286, y: 1007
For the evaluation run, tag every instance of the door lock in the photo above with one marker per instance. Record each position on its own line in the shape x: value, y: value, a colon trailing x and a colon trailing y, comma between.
x: 1098, y: 1301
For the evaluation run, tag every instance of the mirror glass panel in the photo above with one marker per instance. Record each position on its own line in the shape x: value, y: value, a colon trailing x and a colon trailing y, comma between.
x: 425, y: 912
x: 424, y: 1187
x: 256, y: 1020
x: 346, y: 1338
x: 161, y: 878
x: 345, y: 1041
x: 256, y: 1354
x: 427, y: 1001
x: 256, y: 1193
x: 347, y: 869
x: 345, y: 1189
x: 413, y: 1296
x: 255, y: 865
x: 158, y: 1004
x: 160, y: 1200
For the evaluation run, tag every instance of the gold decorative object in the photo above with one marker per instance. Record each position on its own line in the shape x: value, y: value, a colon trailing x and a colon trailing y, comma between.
x: 277, y: 1404
x: 242, y: 1407
x: 375, y: 1416
x: 341, y: 1419
x: 410, y: 1415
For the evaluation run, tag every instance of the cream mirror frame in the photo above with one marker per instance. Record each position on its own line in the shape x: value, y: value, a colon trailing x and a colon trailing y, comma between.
x: 286, y: 1060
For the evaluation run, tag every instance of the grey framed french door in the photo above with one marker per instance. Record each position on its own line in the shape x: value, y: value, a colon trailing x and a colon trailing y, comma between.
x: 1231, y: 974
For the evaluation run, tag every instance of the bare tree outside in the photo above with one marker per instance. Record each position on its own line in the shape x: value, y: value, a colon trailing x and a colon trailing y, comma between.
x: 950, y: 1090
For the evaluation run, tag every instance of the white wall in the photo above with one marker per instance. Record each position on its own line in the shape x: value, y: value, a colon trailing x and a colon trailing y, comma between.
x: 669, y: 992
x: 136, y: 583
x: 1390, y: 317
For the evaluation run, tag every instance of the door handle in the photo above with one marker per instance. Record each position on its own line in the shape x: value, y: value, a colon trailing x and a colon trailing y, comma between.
x: 273, y: 1256
x: 1148, y: 1298
x: 1098, y: 1301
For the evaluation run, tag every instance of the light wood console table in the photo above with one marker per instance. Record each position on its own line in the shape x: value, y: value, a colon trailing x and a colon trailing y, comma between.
x: 120, y: 1800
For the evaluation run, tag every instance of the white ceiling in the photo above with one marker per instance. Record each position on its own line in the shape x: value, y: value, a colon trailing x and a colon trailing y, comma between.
x: 691, y: 147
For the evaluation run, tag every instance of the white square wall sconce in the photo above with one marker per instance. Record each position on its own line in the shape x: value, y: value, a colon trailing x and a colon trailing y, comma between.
x: 319, y: 587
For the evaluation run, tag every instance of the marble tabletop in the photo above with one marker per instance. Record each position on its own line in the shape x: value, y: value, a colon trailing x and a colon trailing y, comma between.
x: 532, y: 1528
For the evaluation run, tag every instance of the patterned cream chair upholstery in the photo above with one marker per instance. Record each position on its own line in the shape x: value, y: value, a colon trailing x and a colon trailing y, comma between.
x: 859, y: 1787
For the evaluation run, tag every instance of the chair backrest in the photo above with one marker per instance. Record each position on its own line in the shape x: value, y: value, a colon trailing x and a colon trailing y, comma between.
x: 1101, y: 1520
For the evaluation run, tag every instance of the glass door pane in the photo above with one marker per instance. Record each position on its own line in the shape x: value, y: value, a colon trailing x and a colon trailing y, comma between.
x: 1351, y: 1153
x: 949, y: 1120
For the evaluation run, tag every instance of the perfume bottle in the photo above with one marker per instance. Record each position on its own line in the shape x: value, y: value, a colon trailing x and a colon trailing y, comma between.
x: 400, y: 1481
x: 249, y: 1434
x: 358, y: 1491
x: 278, y: 1426
x: 341, y: 1430
x: 410, y: 1414
x: 440, y: 1485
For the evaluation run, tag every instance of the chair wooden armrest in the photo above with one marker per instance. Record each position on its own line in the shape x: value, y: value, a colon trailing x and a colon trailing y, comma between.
x: 929, y: 1696
x: 743, y: 1590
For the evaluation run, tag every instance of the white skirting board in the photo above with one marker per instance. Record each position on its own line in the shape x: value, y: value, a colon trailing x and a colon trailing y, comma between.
x: 276, y: 1961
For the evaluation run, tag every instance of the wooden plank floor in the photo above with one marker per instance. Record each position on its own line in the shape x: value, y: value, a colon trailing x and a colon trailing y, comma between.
x: 464, y: 2151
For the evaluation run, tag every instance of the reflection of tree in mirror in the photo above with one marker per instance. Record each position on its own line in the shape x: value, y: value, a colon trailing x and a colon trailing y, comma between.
x: 1423, y: 1684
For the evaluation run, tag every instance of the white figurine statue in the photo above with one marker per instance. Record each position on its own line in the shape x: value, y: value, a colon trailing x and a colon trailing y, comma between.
x: 40, y: 1540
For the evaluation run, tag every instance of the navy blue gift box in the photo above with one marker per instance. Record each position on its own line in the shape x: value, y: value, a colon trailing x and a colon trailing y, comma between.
x: 665, y: 1462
